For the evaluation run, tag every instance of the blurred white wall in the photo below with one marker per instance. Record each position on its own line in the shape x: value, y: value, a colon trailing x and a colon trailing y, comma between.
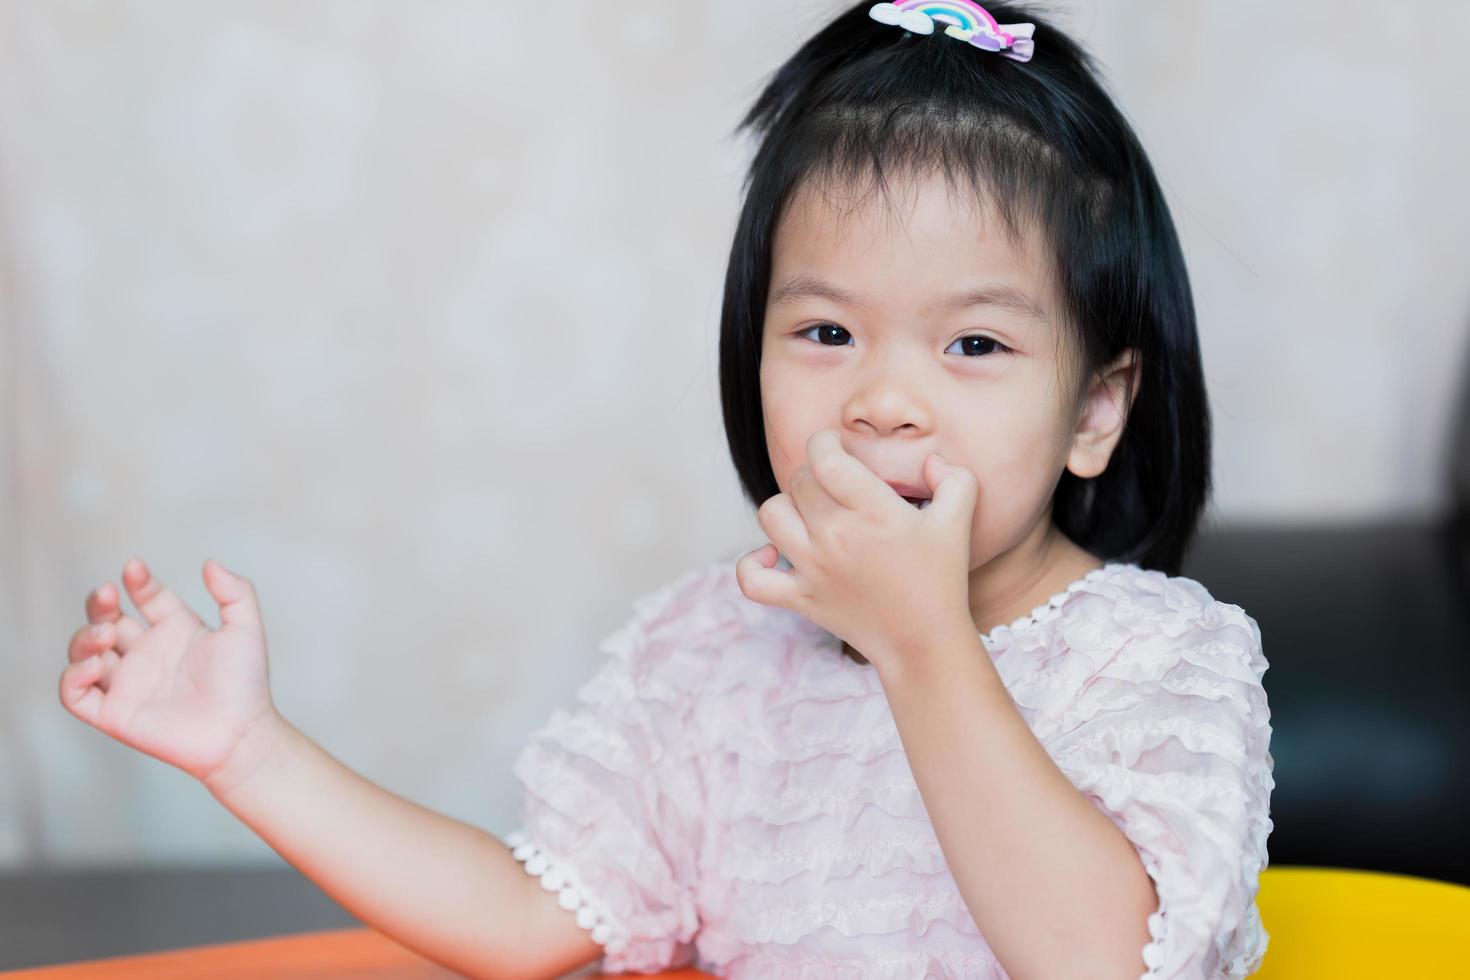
x: 409, y: 313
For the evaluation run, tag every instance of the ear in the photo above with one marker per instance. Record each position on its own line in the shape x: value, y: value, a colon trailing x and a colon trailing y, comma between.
x: 1104, y: 411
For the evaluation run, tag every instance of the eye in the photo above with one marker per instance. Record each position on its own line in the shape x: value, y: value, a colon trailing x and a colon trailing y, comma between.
x: 978, y: 344
x: 824, y: 327
x: 977, y: 347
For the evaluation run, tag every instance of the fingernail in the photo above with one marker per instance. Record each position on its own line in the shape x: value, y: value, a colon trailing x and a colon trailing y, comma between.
x: 98, y: 630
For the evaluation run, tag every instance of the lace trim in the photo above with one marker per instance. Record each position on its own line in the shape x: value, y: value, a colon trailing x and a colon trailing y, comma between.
x: 572, y: 895
x: 1048, y: 608
x: 1153, y: 950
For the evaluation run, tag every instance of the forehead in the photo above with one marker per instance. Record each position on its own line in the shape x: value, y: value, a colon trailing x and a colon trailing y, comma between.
x: 914, y: 236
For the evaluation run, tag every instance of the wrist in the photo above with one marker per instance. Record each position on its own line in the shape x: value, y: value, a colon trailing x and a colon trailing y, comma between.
x: 258, y: 748
x: 932, y: 655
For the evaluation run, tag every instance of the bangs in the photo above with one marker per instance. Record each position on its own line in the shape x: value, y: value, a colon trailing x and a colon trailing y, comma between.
x: 982, y: 156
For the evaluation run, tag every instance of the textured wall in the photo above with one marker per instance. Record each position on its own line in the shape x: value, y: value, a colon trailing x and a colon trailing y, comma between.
x: 349, y: 295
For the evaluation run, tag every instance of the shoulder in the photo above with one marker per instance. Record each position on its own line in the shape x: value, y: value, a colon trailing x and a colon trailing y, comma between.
x: 1135, y: 615
x: 1127, y: 634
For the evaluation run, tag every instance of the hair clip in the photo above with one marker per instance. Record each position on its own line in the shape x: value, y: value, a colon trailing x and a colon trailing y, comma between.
x: 965, y: 20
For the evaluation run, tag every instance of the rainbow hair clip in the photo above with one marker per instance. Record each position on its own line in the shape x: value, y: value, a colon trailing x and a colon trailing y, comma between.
x: 964, y: 20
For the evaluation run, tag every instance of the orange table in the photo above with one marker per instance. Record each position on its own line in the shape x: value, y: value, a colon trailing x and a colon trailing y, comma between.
x: 341, y: 953
x: 1336, y: 923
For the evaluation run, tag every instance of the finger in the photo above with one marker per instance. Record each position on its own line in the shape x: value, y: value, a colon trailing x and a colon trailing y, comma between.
x: 955, y: 489
x: 762, y: 582
x: 814, y: 505
x: 101, y: 604
x: 239, y: 606
x: 154, y: 600
x: 843, y: 476
x: 89, y: 640
x: 785, y: 527
x: 103, y: 607
x: 80, y: 689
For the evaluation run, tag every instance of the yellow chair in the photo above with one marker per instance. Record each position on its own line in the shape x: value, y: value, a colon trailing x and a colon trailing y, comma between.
x: 1343, y: 924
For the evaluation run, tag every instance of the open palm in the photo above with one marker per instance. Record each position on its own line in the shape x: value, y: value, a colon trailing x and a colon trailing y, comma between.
x: 171, y: 686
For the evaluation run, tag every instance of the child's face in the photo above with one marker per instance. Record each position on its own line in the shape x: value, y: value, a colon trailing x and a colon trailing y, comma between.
x: 898, y: 380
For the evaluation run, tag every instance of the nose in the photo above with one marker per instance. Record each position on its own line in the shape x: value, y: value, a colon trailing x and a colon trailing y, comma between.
x: 889, y: 402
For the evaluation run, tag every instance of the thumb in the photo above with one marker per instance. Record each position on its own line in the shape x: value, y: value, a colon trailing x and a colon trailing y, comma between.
x: 238, y: 606
x: 952, y: 487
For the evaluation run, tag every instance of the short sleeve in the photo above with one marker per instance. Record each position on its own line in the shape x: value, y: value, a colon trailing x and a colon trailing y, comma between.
x: 611, y: 813
x: 1171, y: 741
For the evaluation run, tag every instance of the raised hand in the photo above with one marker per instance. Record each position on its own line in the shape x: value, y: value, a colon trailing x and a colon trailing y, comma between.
x: 170, y: 686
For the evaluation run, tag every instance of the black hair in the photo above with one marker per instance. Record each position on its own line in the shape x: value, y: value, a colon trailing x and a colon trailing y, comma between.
x: 1049, y: 145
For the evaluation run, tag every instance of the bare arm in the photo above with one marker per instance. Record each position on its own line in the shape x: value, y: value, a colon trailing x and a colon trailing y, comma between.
x: 1055, y: 887
x: 199, y: 699
x: 449, y: 891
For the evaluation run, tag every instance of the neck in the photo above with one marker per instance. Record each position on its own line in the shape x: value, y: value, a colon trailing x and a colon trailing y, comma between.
x: 1015, y: 582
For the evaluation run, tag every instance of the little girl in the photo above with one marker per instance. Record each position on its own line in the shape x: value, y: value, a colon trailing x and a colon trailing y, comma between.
x: 960, y: 717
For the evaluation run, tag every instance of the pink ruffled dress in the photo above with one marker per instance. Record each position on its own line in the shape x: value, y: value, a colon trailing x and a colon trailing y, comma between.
x: 730, y: 792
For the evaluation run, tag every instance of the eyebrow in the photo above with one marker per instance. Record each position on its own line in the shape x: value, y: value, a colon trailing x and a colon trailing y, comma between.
x: 1008, y: 297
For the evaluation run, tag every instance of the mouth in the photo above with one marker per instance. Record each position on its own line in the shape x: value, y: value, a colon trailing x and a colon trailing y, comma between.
x: 914, y: 495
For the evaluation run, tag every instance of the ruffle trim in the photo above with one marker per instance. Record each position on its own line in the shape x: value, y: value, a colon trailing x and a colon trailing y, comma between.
x: 1245, y: 948
x: 1049, y: 608
x: 874, y: 965
x: 755, y: 662
x: 557, y: 876
x: 912, y: 911
x: 910, y: 849
x: 704, y: 636
x: 1246, y: 961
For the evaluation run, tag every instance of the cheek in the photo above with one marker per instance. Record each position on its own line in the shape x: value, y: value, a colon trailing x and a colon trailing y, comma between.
x: 784, y: 443
x: 1022, y: 435
x: 1014, y: 480
x: 791, y: 413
